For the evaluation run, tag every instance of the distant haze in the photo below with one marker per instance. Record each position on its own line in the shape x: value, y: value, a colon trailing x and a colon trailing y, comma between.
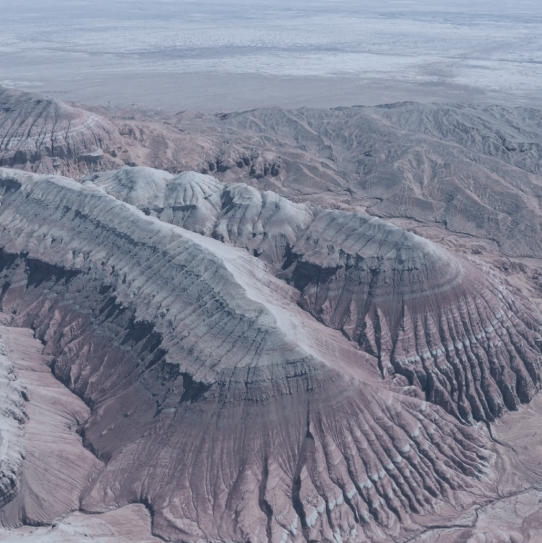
x: 222, y: 55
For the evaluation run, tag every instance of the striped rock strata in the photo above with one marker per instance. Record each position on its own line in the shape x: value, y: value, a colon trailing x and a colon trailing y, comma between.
x: 435, y: 320
x: 214, y: 399
x: 44, y: 135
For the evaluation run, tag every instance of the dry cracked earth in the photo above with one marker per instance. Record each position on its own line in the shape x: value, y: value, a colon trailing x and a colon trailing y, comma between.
x: 273, y: 326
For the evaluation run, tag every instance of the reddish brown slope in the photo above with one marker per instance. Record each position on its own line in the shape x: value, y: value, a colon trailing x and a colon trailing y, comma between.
x: 215, y: 401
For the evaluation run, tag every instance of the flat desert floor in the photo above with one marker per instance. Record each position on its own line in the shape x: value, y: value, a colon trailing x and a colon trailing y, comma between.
x: 224, y: 56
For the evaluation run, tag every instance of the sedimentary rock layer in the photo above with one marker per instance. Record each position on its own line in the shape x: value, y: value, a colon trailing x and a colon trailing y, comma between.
x: 263, y: 223
x: 214, y: 399
x: 435, y: 320
x: 470, y: 169
x: 45, y: 135
x: 453, y: 328
x: 473, y: 169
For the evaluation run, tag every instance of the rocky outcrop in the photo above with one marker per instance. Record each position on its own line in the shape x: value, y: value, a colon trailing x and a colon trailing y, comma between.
x: 453, y: 328
x: 214, y: 399
x: 46, y: 136
x: 434, y: 320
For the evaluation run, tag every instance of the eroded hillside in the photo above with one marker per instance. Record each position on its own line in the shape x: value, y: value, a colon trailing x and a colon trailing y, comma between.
x: 466, y: 176
x: 216, y: 401
x: 306, y: 325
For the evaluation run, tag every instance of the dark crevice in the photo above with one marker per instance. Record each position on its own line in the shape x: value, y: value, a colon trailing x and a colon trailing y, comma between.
x: 263, y: 503
x: 193, y: 390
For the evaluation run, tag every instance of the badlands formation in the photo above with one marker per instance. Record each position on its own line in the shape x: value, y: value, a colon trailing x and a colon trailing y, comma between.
x: 255, y: 355
x: 471, y: 173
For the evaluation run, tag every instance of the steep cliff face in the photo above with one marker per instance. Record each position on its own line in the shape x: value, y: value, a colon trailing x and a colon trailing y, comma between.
x: 449, y: 326
x: 214, y: 399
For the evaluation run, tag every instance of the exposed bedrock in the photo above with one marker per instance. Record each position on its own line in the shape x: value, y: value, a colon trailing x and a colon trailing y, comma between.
x: 435, y: 320
x: 215, y: 400
x: 44, y: 135
x: 450, y: 327
x: 53, y: 467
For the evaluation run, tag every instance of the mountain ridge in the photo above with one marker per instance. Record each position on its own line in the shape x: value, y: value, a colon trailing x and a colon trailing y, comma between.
x: 108, y: 347
x: 273, y: 353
